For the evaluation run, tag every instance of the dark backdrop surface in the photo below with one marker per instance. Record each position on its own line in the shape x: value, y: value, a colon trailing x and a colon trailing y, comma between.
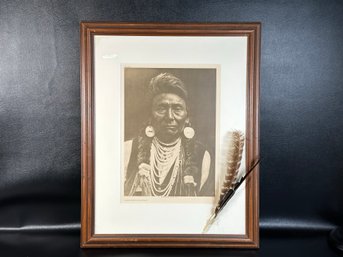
x: 300, y: 120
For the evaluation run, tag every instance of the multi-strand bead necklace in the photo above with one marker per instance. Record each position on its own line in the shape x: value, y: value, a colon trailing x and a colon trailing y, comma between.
x: 162, y: 158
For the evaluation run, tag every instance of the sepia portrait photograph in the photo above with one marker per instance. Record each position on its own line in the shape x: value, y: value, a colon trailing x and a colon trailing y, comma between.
x: 169, y: 131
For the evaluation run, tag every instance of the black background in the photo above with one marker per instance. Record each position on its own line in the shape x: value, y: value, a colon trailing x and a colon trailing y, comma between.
x: 300, y: 120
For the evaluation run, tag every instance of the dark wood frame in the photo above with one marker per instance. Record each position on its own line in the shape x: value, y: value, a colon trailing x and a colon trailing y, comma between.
x: 88, y: 238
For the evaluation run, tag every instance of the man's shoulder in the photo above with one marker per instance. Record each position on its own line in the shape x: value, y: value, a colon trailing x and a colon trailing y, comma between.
x: 200, y: 146
x: 200, y: 149
x: 128, y: 147
x: 128, y: 143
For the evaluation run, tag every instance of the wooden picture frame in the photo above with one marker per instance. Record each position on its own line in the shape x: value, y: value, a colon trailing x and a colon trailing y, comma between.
x: 141, y: 50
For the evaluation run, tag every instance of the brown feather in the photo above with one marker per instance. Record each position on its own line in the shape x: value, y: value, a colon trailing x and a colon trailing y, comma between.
x: 234, y: 157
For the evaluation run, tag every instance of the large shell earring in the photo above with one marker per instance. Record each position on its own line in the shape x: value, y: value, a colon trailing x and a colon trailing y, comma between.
x: 188, y: 131
x: 150, y: 131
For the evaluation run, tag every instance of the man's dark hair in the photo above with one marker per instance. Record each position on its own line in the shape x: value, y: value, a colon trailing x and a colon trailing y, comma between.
x: 166, y: 83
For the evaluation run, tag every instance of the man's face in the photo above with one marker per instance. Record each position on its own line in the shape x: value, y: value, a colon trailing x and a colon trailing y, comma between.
x: 169, y: 115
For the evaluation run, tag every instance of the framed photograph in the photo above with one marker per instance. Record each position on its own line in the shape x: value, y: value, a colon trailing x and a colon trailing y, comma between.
x: 158, y: 101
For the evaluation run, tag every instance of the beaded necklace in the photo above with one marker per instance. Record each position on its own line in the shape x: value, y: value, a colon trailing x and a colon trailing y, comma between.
x: 162, y: 158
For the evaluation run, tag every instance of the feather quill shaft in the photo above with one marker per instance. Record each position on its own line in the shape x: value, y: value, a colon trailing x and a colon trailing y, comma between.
x: 227, y: 198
